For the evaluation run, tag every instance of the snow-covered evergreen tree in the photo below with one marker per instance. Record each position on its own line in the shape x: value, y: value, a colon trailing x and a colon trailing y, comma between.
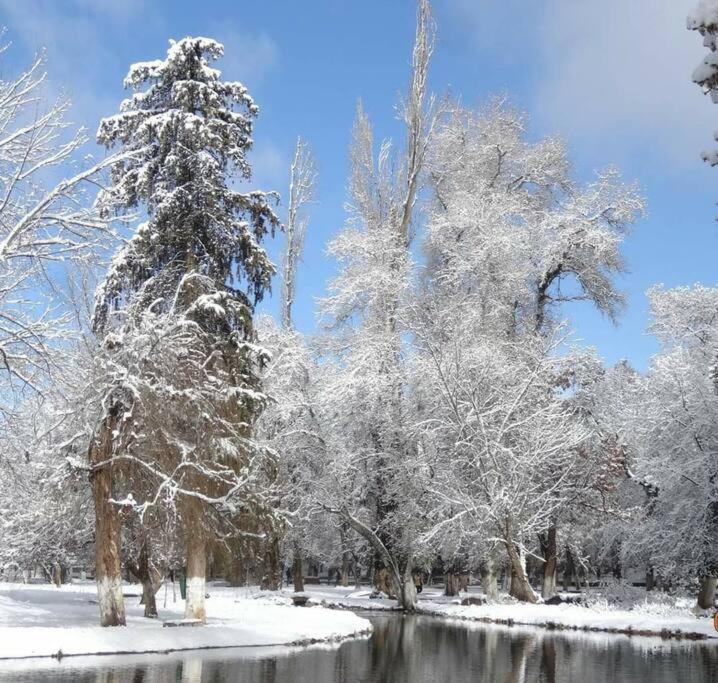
x: 175, y: 309
x: 704, y: 19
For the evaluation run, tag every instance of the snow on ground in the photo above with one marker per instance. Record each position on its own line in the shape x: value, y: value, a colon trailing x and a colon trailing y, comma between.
x: 654, y: 614
x: 42, y: 620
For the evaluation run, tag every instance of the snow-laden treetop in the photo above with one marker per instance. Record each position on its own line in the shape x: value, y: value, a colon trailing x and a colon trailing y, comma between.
x: 189, y: 133
x: 704, y: 19
x: 705, y: 15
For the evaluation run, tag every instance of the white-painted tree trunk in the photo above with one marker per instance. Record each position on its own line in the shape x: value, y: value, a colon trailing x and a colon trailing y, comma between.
x: 489, y: 580
x: 548, y: 585
x: 110, y: 600
x: 108, y: 530
x: 196, y: 579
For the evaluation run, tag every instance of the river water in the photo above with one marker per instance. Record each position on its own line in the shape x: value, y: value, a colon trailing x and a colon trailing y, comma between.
x: 412, y: 649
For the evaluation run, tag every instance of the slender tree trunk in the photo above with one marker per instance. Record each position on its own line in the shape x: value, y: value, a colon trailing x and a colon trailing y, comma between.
x: 143, y: 573
x: 356, y: 569
x: 650, y: 579
x: 298, y: 569
x: 148, y: 598
x: 346, y: 553
x: 489, y: 579
x: 108, y: 527
x: 345, y: 568
x: 569, y: 570
x: 706, y: 593
x: 548, y: 547
x: 57, y: 574
x: 393, y: 575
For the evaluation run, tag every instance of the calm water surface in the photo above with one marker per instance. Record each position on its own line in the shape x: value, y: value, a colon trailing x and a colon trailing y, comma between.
x: 408, y: 648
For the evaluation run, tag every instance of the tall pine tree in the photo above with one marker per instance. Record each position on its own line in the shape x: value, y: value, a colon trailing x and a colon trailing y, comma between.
x: 175, y: 310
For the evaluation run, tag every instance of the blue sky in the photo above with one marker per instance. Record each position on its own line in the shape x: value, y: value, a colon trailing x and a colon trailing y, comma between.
x: 612, y: 77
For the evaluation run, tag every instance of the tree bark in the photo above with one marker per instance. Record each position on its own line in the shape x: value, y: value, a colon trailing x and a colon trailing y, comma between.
x: 143, y: 573
x: 706, y: 593
x: 196, y: 577
x: 108, y: 527
x: 548, y: 548
x: 489, y: 579
x: 345, y: 568
x: 57, y: 574
x: 196, y: 549
x: 298, y: 570
x: 356, y: 569
x: 272, y: 573
x: 451, y: 584
x: 408, y: 590
x: 520, y: 586
x: 650, y: 579
x: 383, y: 581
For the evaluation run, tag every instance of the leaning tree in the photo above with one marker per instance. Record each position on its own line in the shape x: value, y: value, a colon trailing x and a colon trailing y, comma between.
x: 175, y: 312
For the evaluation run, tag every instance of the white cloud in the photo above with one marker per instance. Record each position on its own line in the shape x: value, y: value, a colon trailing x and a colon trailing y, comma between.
x: 612, y: 75
x: 619, y: 73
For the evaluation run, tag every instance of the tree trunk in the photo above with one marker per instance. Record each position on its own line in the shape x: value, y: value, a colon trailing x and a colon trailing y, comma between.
x: 382, y: 581
x: 108, y: 527
x: 408, y: 591
x: 453, y: 583
x: 148, y: 598
x: 489, y: 579
x: 57, y: 574
x: 650, y: 579
x: 569, y: 570
x: 548, y: 548
x: 196, y: 577
x: 272, y: 573
x: 297, y: 570
x: 706, y: 593
x: 356, y: 569
x: 143, y: 574
x: 390, y: 566
x: 345, y: 568
x: 196, y: 548
x: 449, y: 585
x: 520, y: 586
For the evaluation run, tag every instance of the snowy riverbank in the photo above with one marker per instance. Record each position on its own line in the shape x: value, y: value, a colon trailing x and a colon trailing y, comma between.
x: 42, y: 621
x: 656, y: 614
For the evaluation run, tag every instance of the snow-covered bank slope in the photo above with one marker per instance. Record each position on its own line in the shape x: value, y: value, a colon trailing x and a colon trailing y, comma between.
x: 636, y: 622
x: 38, y: 621
x: 668, y: 619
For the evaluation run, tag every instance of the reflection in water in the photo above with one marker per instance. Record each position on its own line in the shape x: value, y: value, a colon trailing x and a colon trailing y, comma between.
x: 416, y: 649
